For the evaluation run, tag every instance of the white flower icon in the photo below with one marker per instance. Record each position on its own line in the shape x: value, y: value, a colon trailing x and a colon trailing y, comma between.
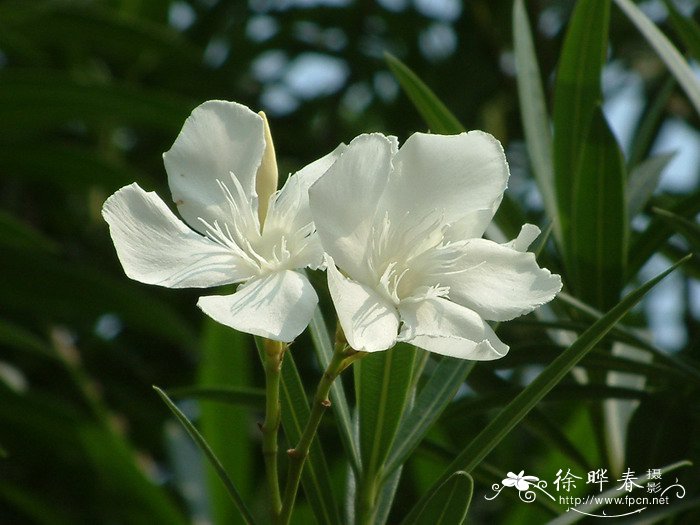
x: 519, y: 481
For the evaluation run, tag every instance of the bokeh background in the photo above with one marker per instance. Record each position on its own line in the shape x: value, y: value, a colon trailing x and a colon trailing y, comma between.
x: 92, y: 93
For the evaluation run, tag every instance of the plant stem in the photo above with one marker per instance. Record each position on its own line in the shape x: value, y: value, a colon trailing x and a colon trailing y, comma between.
x: 273, y: 353
x: 343, y: 356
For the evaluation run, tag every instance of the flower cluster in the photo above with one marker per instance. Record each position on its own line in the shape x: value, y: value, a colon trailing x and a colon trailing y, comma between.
x: 399, y: 231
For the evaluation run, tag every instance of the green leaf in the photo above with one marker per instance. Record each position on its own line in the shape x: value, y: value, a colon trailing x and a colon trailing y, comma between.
x: 442, y: 385
x: 315, y: 479
x: 434, y: 112
x: 449, y: 504
x: 324, y: 350
x: 667, y: 52
x: 383, y: 383
x: 690, y: 230
x: 643, y: 181
x: 34, y: 100
x: 204, y: 447
x: 576, y: 98
x: 533, y: 108
x: 233, y: 395
x: 597, y: 239
x: 686, y: 28
x: 225, y: 360
x: 14, y: 234
x: 650, y: 122
x: 511, y: 415
x: 658, y: 231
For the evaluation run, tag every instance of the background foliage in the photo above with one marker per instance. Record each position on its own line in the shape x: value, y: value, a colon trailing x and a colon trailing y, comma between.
x: 91, y: 94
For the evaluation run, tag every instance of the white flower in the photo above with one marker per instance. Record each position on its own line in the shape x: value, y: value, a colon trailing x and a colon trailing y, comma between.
x: 405, y: 228
x: 217, y: 166
x: 519, y: 481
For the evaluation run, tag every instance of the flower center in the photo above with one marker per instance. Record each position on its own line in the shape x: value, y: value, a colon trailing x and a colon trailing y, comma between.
x: 277, y: 246
x: 409, y: 255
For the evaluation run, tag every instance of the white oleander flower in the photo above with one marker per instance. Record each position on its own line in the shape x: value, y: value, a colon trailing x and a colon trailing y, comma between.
x: 223, y: 178
x: 404, y: 227
x: 520, y: 481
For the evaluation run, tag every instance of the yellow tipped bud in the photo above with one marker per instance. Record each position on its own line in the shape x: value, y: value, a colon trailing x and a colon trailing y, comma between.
x: 266, y: 180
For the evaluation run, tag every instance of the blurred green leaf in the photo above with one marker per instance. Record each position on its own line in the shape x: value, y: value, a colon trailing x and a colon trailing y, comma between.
x: 439, y: 119
x: 667, y: 51
x: 686, y: 28
x: 72, y: 290
x: 650, y: 122
x: 690, y: 230
x: 449, y: 504
x: 38, y: 99
x: 443, y: 383
x: 657, y: 232
x: 517, y: 409
x: 643, y: 181
x: 204, y: 447
x: 577, y: 95
x: 14, y: 234
x: 225, y: 360
x: 597, y: 238
x: 233, y: 395
x: 533, y: 108
x: 315, y: 479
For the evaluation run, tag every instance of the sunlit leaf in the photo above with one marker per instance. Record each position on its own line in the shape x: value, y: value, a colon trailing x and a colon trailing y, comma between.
x: 533, y: 108
x: 667, y: 51
x: 434, y: 112
x: 597, y: 239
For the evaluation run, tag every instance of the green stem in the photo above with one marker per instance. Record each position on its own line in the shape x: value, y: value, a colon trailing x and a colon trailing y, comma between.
x: 343, y: 356
x: 273, y: 353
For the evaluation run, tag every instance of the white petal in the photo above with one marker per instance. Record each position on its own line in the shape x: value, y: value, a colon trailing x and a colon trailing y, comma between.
x: 344, y: 201
x: 369, y: 321
x: 441, y: 326
x: 522, y: 485
x: 278, y: 306
x: 457, y: 175
x: 289, y: 207
x: 217, y: 139
x: 498, y: 282
x: 528, y: 233
x: 509, y: 482
x: 155, y: 247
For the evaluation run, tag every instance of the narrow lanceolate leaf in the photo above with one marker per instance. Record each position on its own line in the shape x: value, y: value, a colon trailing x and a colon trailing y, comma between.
x: 643, y: 181
x: 316, y: 479
x: 232, y: 395
x: 516, y: 410
x: 576, y: 97
x: 432, y: 399
x: 667, y: 51
x: 225, y: 361
x: 597, y: 244
x: 533, y: 110
x: 449, y: 504
x: 436, y: 115
x: 686, y: 28
x: 209, y: 453
x: 690, y: 230
x: 341, y: 411
x: 382, y: 384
